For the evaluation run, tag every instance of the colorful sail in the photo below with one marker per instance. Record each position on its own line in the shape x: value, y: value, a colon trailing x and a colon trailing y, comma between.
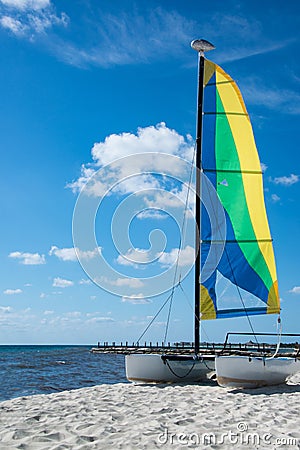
x: 230, y: 161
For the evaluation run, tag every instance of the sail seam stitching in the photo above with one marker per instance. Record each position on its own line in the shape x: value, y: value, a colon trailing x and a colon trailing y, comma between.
x: 254, y: 172
x: 216, y: 83
x: 225, y: 113
x: 232, y: 241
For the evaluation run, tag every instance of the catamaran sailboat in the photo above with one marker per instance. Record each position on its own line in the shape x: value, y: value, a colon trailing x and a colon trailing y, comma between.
x: 228, y: 166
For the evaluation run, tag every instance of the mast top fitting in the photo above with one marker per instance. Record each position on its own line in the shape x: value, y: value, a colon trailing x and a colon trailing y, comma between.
x: 201, y: 45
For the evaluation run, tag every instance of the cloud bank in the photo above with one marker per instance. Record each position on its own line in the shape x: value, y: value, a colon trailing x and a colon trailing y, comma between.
x: 62, y: 283
x: 12, y: 291
x: 158, y: 139
x: 30, y: 18
x: 73, y: 253
x: 28, y: 258
x: 286, y: 180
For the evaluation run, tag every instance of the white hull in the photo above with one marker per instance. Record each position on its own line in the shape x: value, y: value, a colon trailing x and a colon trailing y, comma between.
x: 151, y: 368
x: 252, y: 372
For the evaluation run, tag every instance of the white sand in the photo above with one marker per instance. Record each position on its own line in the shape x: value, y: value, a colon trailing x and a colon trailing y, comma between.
x: 131, y: 416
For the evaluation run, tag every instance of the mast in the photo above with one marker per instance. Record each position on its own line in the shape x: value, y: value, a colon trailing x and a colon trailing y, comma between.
x: 200, y: 45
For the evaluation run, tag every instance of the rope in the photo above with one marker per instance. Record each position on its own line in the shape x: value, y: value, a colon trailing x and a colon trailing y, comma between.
x: 202, y: 360
x: 209, y: 368
x: 279, y: 333
x: 179, y: 376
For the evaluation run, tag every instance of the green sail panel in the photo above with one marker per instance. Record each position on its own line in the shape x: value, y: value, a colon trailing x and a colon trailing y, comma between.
x: 230, y: 161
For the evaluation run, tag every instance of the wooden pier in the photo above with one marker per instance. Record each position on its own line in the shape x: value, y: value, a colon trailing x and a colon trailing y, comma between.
x: 186, y: 348
x: 151, y: 347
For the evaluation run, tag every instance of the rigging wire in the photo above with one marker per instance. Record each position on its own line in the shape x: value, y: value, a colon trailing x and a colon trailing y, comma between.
x: 153, y: 319
x: 182, y: 233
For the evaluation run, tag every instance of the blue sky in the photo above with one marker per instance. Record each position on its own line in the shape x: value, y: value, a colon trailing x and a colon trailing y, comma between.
x: 84, y: 83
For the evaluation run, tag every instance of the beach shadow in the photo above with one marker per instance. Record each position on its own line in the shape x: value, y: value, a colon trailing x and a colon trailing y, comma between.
x: 210, y: 383
x: 264, y: 390
x: 269, y: 390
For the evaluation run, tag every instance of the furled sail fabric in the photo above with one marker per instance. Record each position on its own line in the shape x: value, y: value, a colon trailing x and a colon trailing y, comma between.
x: 230, y: 162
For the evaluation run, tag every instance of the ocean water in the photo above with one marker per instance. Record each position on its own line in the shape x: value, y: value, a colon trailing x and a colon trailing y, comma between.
x: 43, y: 369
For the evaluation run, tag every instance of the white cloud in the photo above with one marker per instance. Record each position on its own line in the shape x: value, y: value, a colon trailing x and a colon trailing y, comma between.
x: 66, y: 254
x: 134, y: 256
x: 14, y: 25
x: 152, y: 213
x: 286, y: 181
x: 73, y: 314
x: 166, y: 200
x: 185, y: 257
x: 158, y: 139
x: 295, y: 290
x: 84, y: 281
x: 272, y: 97
x: 158, y: 32
x: 130, y: 282
x: 249, y: 36
x: 150, y: 144
x: 100, y: 319
x: 138, y: 299
x: 73, y: 254
x: 62, y: 283
x: 24, y: 325
x: 27, y: 4
x: 263, y: 166
x: 242, y: 51
x: 29, y: 18
x: 12, y: 291
x: 165, y: 33
x: 275, y: 198
x: 28, y: 258
x: 5, y: 309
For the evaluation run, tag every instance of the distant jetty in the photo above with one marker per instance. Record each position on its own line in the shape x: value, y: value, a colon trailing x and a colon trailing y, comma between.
x: 188, y: 348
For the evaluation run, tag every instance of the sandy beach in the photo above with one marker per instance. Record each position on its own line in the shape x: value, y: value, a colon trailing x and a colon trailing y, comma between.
x: 129, y: 416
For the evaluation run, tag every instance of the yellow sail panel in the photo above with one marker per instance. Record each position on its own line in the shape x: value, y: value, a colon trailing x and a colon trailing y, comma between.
x: 209, y: 70
x: 207, y: 308
x: 273, y: 300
